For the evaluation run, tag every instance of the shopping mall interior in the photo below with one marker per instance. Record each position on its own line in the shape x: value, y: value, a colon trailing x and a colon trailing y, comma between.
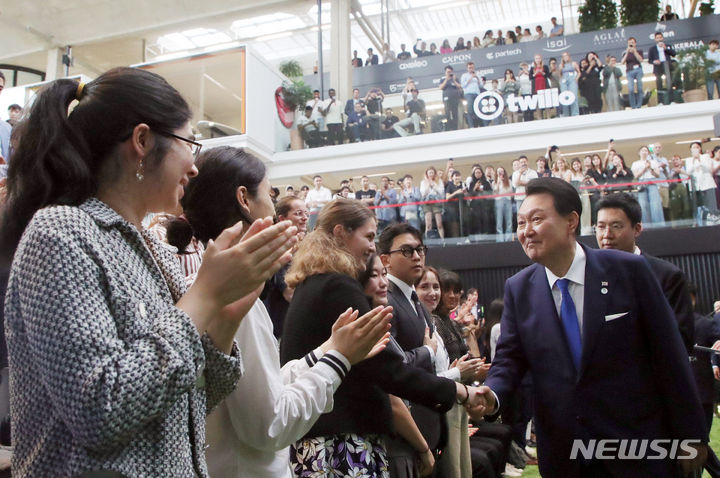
x: 226, y: 58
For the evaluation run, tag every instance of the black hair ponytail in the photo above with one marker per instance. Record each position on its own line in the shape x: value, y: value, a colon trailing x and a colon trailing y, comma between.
x: 59, y: 156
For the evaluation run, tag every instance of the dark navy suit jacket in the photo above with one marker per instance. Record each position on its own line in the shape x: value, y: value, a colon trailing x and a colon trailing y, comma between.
x: 634, y: 380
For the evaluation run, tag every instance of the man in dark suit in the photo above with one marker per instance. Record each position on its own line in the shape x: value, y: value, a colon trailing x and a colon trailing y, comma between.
x: 403, y: 254
x: 659, y: 57
x: 600, y: 342
x: 707, y: 334
x: 618, y: 227
x: 372, y: 58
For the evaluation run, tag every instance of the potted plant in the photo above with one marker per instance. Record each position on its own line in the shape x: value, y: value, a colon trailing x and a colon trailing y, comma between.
x: 707, y: 8
x: 291, y: 96
x: 691, y: 72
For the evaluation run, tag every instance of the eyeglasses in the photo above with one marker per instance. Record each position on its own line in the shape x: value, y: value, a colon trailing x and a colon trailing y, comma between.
x: 301, y: 213
x: 195, y: 147
x: 407, y: 251
x: 614, y: 227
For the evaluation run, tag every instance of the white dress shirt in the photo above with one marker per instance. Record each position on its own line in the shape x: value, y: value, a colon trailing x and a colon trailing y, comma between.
x: 249, y: 433
x: 576, y: 277
x: 701, y: 172
x: 407, y: 291
x: 576, y: 287
x: 321, y: 196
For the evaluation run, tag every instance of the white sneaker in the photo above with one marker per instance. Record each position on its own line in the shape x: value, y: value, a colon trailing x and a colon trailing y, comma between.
x: 511, y: 470
x: 531, y: 451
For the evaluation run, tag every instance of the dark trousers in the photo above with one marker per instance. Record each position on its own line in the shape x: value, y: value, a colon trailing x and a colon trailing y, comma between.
x: 472, y: 120
x: 451, y: 114
x: 335, y: 135
x: 661, y: 71
x: 373, y: 127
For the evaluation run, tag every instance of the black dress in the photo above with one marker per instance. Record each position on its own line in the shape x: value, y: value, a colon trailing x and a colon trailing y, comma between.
x: 482, y: 211
x: 361, y: 411
x: 590, y: 88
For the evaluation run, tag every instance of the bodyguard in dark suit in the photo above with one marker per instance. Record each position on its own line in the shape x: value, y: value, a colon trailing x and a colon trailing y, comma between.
x: 599, y: 339
x: 403, y: 254
x: 707, y: 334
x: 618, y: 226
x: 659, y: 57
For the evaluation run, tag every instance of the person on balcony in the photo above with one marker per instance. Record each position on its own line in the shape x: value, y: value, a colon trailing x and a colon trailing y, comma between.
x: 570, y: 74
x: 632, y: 59
x: 611, y: 86
x: 403, y: 55
x: 472, y: 85
x: 422, y: 51
x: 659, y: 57
x: 414, y: 112
x: 557, y: 29
x: 452, y: 92
x: 372, y: 58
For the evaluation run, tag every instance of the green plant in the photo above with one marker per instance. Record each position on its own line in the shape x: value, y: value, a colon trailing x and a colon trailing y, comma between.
x: 707, y: 8
x: 692, y: 68
x: 598, y: 15
x: 291, y: 69
x: 296, y: 93
x: 635, y: 12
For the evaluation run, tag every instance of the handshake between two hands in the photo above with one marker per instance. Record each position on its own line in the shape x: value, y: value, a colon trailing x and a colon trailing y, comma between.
x: 480, y: 401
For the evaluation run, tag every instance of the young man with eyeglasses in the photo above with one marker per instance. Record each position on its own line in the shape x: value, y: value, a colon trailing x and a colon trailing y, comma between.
x: 619, y: 224
x: 403, y: 254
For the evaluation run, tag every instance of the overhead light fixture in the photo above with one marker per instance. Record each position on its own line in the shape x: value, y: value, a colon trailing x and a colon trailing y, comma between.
x: 690, y: 141
x: 274, y: 36
x: 448, y: 5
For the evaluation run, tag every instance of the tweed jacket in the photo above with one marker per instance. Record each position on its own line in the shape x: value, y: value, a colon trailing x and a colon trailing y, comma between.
x: 105, y: 372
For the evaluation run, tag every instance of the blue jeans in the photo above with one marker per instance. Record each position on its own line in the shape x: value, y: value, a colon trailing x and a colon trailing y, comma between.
x: 569, y: 83
x: 503, y: 210
x: 651, y: 205
x: 634, y: 77
x: 711, y: 85
x: 472, y: 120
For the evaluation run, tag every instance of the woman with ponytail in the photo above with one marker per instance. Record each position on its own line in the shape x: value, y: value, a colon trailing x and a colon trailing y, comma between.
x: 113, y: 363
x: 249, y: 433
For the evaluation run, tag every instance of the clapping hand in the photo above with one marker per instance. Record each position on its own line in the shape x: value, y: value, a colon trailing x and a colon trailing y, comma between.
x: 358, y: 338
x: 470, y: 368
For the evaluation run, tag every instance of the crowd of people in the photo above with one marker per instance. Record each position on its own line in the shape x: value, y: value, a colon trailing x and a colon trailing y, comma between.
x: 446, y: 203
x: 422, y: 48
x: 596, y: 85
x: 237, y: 336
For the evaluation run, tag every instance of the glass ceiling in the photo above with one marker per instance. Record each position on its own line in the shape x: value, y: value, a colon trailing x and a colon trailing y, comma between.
x: 293, y: 34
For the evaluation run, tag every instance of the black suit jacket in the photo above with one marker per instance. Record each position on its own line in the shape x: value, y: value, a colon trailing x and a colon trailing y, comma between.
x: 361, y: 402
x: 706, y: 334
x: 409, y: 331
x: 674, y: 286
x: 653, y: 55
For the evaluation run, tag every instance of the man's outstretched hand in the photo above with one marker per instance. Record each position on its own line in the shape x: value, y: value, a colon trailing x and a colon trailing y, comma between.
x: 481, y: 402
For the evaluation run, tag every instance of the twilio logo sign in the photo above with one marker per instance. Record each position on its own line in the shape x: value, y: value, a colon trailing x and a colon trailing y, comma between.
x: 490, y: 104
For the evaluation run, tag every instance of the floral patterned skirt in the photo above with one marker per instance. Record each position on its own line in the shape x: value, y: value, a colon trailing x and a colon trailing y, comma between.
x: 344, y: 455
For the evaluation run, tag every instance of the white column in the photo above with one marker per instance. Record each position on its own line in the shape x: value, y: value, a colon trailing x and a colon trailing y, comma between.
x: 339, y: 68
x: 55, y: 67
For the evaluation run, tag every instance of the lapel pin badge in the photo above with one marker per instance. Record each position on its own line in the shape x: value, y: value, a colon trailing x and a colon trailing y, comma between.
x: 604, y: 290
x: 604, y: 284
